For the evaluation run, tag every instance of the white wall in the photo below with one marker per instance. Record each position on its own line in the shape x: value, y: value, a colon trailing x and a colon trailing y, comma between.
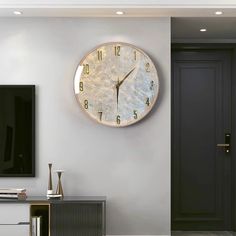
x: 131, y: 166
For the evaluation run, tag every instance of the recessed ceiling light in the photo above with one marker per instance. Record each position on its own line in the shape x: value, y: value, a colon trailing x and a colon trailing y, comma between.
x: 218, y: 12
x: 203, y: 30
x: 119, y: 13
x: 17, y: 12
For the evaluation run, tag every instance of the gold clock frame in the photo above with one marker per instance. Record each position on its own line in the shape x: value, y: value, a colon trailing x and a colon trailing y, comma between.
x: 149, y: 107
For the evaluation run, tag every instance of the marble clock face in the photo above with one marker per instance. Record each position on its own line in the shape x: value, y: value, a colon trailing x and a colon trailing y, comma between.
x: 116, y: 84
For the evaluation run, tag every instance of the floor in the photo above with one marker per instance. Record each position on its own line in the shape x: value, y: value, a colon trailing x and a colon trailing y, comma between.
x: 202, y: 233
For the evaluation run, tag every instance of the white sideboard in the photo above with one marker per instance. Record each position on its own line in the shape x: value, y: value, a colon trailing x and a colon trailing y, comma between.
x: 14, y: 219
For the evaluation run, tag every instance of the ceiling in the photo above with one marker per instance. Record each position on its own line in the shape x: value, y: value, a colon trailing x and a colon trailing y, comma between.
x: 186, y: 19
x: 219, y: 29
x: 103, y: 11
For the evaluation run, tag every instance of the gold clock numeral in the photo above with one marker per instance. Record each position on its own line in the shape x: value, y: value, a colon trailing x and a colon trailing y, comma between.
x: 135, y: 115
x: 81, y: 86
x: 86, y: 104
x: 117, y: 51
x: 147, y: 67
x: 100, y: 115
x: 135, y: 55
x: 118, y: 119
x: 148, y: 101
x: 86, y: 69
x: 100, y: 55
x: 152, y: 85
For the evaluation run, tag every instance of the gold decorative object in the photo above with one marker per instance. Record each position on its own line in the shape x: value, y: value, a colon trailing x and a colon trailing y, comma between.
x: 59, y: 190
x: 50, y: 190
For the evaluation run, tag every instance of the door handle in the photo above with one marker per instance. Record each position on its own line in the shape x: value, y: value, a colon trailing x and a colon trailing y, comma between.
x: 222, y: 145
x: 225, y: 145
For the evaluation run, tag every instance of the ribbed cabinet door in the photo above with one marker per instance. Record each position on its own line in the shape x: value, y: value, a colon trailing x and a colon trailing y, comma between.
x: 76, y: 219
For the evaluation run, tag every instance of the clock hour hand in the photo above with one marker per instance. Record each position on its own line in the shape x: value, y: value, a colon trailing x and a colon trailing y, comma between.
x: 126, y: 76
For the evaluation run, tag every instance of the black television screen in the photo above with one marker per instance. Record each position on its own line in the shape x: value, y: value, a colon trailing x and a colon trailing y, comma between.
x: 17, y: 130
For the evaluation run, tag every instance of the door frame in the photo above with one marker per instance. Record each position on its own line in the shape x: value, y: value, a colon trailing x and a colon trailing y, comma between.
x: 232, y: 48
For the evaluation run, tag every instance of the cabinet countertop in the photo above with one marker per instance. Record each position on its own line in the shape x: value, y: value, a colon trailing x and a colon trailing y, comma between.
x: 32, y: 199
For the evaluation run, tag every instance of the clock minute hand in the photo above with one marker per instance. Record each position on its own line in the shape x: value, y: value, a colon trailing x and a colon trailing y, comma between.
x: 126, y: 76
x: 117, y: 92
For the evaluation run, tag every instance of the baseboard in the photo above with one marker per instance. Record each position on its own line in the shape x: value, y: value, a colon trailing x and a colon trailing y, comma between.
x: 142, y: 235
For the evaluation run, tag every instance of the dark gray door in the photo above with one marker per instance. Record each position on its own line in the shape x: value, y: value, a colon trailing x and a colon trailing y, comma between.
x: 201, y: 116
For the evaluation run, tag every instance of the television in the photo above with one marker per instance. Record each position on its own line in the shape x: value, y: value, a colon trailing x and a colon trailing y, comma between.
x: 17, y: 130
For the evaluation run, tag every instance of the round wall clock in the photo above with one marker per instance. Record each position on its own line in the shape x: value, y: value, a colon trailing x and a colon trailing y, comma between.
x: 116, y: 84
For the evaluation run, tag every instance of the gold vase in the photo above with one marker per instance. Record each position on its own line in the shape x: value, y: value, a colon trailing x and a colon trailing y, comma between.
x: 59, y: 184
x: 50, y: 191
